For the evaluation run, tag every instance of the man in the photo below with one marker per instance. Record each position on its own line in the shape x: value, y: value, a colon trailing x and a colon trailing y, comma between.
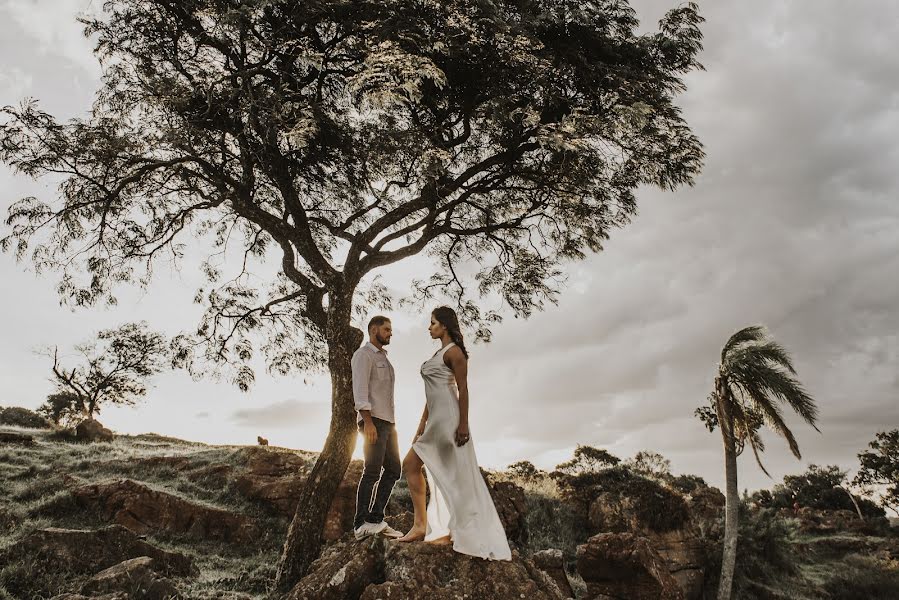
x: 373, y: 380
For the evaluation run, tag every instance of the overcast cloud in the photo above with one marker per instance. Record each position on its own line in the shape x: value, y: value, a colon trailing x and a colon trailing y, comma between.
x: 794, y: 223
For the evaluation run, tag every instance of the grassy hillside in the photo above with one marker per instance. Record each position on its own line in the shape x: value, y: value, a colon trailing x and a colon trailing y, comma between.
x: 781, y: 557
x: 34, y: 493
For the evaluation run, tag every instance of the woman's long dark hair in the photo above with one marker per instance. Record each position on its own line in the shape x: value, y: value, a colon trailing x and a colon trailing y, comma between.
x: 447, y: 317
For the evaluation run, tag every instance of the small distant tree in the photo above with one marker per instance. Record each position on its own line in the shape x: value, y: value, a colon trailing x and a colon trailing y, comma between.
x: 880, y: 467
x: 112, y: 370
x: 588, y: 459
x: 523, y: 469
x: 755, y: 376
x: 61, y: 408
x: 649, y: 464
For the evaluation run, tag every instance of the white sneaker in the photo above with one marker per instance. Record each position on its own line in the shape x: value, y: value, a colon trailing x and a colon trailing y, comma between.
x: 391, y: 532
x: 368, y: 529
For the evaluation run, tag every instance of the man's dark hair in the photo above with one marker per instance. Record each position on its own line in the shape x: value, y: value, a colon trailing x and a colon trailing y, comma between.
x: 377, y: 321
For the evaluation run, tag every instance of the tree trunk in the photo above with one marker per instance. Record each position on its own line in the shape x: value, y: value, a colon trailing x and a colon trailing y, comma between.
x: 303, y: 543
x: 732, y: 503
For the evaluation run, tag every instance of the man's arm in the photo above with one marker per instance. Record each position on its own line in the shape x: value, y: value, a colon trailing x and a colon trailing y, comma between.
x: 362, y: 365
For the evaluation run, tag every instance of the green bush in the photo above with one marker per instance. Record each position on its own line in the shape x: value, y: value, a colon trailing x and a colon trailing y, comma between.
x: 22, y: 417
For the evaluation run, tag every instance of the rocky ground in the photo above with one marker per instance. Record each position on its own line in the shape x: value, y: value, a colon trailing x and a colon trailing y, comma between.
x: 149, y: 517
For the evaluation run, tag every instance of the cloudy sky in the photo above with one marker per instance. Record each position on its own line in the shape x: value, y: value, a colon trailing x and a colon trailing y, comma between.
x: 793, y: 224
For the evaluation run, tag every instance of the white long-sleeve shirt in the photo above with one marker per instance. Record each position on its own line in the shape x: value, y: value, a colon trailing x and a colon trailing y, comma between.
x: 373, y: 381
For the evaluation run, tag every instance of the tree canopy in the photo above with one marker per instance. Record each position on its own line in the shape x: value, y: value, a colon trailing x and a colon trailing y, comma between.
x: 340, y: 137
x: 880, y: 467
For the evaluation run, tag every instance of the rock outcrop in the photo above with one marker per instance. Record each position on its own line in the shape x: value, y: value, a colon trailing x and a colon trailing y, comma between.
x: 625, y: 566
x: 636, y: 509
x: 552, y: 562
x: 342, y: 572
x: 376, y: 569
x: 274, y: 478
x: 90, y: 430
x: 512, y: 507
x: 90, y: 551
x: 135, y: 577
x: 142, y: 509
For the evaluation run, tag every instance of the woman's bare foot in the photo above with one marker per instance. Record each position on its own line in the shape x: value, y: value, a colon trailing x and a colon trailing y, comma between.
x: 442, y: 541
x: 416, y: 534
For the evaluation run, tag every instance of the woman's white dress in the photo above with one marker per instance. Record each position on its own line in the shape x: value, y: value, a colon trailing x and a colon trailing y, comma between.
x: 460, y: 503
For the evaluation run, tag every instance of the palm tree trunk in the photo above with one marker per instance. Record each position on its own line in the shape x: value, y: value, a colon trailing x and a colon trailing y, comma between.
x: 303, y: 543
x: 731, y: 522
x: 732, y: 503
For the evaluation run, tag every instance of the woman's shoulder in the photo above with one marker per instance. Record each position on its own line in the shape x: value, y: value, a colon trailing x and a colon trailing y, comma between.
x: 453, y: 352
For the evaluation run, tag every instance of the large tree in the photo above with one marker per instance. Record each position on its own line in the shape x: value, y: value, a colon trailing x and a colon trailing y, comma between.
x: 755, y: 377
x: 339, y: 137
x: 879, y: 468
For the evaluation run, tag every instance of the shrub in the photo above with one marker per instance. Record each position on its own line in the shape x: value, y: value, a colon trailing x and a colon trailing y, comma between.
x: 22, y: 417
x: 764, y: 552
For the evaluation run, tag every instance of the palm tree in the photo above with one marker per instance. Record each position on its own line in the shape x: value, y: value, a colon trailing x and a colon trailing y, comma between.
x: 755, y: 377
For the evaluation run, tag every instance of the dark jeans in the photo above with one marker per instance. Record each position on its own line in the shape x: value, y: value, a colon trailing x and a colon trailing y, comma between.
x: 381, y: 472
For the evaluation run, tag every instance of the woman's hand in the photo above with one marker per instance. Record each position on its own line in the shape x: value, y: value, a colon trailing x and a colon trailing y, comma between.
x: 462, y: 434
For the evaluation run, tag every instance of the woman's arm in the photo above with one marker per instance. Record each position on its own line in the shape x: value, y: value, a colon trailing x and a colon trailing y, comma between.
x: 456, y: 361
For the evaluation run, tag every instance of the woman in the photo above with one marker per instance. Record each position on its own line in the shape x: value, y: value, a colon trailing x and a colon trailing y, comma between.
x: 461, y: 511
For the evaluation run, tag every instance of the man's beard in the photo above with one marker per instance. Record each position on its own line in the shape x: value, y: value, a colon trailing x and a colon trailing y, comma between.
x: 382, y: 341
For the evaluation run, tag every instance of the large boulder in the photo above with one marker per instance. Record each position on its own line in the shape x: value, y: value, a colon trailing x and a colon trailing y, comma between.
x: 274, y: 478
x: 684, y: 556
x: 650, y: 510
x: 90, y: 430
x: 342, y: 572
x: 89, y: 551
x: 421, y: 570
x: 136, y: 577
x: 377, y: 569
x: 142, y: 509
x: 623, y: 565
x: 512, y: 507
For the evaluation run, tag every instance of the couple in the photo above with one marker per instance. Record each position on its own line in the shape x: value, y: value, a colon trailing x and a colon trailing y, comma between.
x: 461, y: 511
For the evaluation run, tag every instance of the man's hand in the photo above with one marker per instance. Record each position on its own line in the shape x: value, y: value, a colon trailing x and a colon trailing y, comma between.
x: 370, y: 432
x: 421, y: 430
x: 462, y: 434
